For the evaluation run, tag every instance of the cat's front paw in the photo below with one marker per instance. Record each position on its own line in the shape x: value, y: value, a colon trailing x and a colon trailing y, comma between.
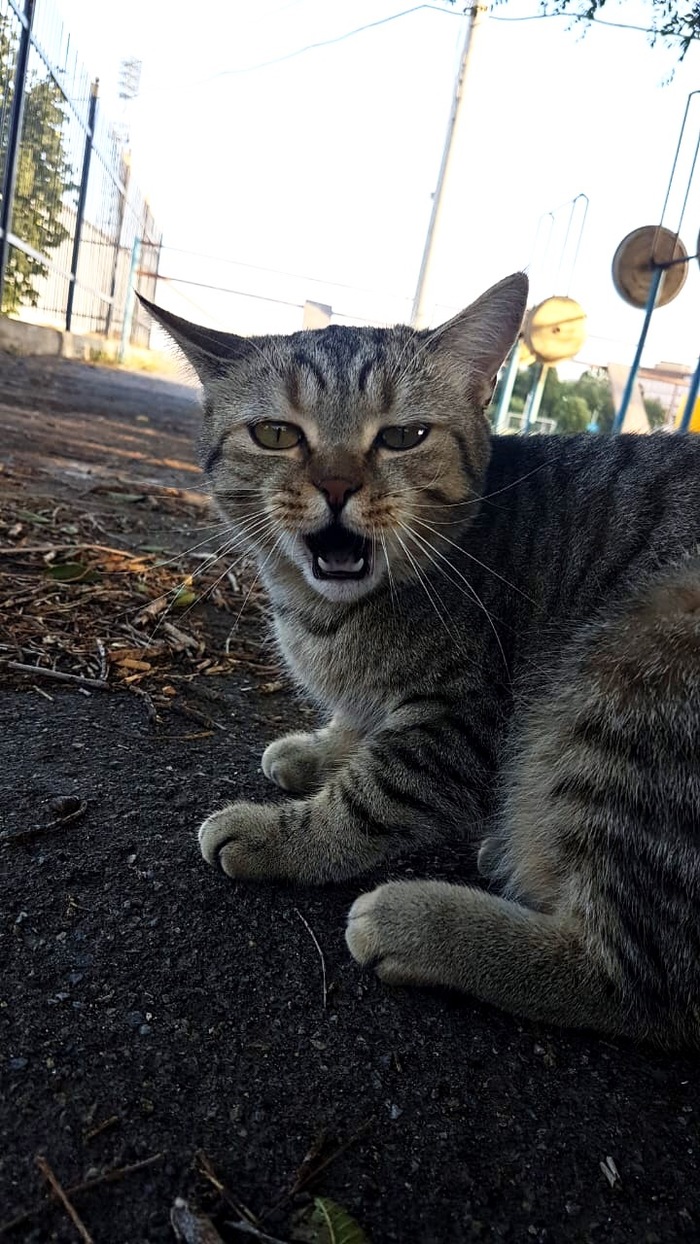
x: 392, y: 929
x: 244, y: 840
x: 294, y: 763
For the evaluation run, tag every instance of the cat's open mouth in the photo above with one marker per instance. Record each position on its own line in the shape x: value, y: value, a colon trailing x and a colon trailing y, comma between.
x: 339, y: 554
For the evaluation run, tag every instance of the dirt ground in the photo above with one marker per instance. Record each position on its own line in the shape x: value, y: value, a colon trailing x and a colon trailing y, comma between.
x: 167, y: 1028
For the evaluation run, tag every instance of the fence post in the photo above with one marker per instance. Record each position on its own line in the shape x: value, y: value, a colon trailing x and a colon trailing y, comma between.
x: 9, y: 179
x: 118, y: 245
x: 80, y: 211
x: 130, y: 299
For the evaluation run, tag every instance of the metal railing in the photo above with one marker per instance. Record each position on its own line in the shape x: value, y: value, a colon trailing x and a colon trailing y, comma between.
x: 70, y: 212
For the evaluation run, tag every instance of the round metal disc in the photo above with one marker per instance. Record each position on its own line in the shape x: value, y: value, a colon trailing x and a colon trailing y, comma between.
x: 632, y: 265
x: 555, y: 329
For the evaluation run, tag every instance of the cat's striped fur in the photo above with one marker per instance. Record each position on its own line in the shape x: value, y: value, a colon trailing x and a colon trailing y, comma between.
x: 528, y: 677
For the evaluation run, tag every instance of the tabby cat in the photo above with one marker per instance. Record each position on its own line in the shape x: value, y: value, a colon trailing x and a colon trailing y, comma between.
x: 503, y: 636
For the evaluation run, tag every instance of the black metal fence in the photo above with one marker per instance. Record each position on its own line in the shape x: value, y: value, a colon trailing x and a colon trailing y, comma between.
x: 75, y: 231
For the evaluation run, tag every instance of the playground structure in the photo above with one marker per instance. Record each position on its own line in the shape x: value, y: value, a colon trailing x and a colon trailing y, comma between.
x: 649, y: 270
x: 555, y: 328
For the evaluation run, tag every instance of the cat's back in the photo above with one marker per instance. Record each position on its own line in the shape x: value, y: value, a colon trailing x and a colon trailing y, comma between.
x: 573, y: 518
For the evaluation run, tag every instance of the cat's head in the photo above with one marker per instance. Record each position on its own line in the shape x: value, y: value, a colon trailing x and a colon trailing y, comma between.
x: 339, y: 454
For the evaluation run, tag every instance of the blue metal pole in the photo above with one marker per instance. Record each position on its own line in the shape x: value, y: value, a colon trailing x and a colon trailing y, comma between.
x: 690, y: 400
x: 509, y: 375
x: 654, y: 287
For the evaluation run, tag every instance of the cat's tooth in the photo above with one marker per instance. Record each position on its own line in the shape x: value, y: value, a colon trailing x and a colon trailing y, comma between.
x: 353, y: 569
x: 325, y: 565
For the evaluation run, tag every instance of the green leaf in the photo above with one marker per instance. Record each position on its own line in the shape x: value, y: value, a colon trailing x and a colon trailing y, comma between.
x: 72, y: 572
x: 333, y: 1225
x: 185, y: 596
x: 30, y: 517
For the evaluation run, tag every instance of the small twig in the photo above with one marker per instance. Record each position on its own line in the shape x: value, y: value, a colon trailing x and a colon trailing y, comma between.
x: 117, y: 1172
x: 8, y: 838
x: 248, y: 1229
x: 150, y: 706
x: 97, y: 684
x: 311, y: 1175
x: 45, y: 694
x: 206, y: 1169
x: 63, y: 1198
x: 322, y: 956
x: 184, y: 710
x: 102, y: 1127
x: 104, y: 660
x: 61, y: 548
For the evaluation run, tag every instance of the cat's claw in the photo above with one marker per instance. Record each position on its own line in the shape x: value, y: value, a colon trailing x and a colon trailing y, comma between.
x: 241, y: 839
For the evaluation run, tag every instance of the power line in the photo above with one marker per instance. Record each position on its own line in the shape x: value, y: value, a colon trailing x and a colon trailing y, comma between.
x: 222, y: 289
x: 323, y: 43
x: 296, y: 276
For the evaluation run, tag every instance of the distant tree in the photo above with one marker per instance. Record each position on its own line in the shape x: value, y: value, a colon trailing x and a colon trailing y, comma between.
x: 668, y: 19
x: 594, y: 387
x: 572, y: 414
x: 656, y: 412
x: 44, y: 176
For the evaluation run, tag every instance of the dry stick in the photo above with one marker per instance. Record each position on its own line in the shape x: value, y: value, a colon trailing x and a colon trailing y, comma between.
x: 97, y: 684
x: 299, y: 1184
x: 104, y: 660
x: 150, y: 706
x: 323, y: 960
x: 63, y: 1198
x: 7, y: 837
x: 102, y: 1127
x: 117, y: 1172
x: 61, y: 548
x: 206, y: 1169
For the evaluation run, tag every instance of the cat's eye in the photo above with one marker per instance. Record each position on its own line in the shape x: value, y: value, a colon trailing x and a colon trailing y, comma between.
x: 271, y: 435
x: 396, y: 436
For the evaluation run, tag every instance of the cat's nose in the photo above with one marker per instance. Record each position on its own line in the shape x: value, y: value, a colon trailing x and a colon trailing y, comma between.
x: 337, y: 492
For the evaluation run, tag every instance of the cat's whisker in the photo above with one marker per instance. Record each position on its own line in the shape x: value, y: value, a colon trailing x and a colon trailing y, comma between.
x: 429, y: 549
x: 472, y: 558
x: 261, y: 567
x: 258, y: 528
x: 392, y: 586
x: 427, y: 589
x: 213, y: 586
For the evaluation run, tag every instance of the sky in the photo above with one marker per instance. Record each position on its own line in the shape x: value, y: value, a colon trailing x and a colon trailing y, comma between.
x: 311, y: 177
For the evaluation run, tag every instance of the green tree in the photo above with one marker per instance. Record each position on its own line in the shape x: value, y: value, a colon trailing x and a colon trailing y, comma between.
x: 594, y: 387
x: 656, y: 412
x: 671, y: 20
x: 44, y: 177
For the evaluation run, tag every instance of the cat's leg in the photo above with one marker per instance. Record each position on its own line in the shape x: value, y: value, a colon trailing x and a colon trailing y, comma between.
x: 405, y: 787
x: 300, y: 763
x: 599, y: 846
x: 458, y: 937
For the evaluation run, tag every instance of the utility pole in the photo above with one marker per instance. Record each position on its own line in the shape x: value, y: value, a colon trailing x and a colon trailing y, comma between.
x: 474, y: 16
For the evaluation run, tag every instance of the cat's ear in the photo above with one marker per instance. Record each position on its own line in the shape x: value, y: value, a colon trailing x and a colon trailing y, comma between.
x: 210, y: 351
x: 480, y: 337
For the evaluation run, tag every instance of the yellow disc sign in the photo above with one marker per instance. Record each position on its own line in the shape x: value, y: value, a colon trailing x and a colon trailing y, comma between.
x: 555, y: 329
x: 635, y: 259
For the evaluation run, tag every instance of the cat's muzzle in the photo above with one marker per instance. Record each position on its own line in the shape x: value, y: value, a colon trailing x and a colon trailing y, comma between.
x: 339, y: 554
